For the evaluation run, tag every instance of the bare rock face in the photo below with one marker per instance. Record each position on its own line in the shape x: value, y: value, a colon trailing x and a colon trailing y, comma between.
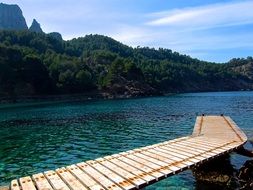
x: 123, y: 88
x: 11, y: 18
x: 35, y: 27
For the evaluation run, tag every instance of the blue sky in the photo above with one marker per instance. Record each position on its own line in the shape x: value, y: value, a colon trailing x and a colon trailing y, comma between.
x: 210, y: 30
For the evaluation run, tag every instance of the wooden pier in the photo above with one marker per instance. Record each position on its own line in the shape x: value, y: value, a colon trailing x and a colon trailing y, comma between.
x: 213, y: 136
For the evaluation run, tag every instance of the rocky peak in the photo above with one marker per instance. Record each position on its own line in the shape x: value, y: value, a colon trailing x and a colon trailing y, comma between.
x: 35, y: 27
x: 11, y: 18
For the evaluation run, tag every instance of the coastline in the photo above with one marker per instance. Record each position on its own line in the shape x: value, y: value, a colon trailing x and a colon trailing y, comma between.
x: 91, y: 96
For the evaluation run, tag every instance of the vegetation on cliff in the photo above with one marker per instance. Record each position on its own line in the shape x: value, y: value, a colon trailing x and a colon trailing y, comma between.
x: 36, y: 63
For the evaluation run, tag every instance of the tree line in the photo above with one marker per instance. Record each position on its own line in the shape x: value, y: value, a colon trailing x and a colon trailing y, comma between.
x: 40, y: 64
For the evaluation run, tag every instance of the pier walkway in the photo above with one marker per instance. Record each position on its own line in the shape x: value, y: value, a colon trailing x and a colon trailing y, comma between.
x: 212, y: 136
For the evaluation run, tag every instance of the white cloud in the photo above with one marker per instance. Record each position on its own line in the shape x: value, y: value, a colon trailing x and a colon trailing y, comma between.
x: 215, y: 15
x: 133, y: 35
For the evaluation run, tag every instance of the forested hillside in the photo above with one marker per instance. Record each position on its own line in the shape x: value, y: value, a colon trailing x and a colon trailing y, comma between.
x: 42, y: 64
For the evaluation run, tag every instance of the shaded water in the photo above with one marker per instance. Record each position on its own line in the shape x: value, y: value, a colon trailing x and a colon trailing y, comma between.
x: 41, y: 136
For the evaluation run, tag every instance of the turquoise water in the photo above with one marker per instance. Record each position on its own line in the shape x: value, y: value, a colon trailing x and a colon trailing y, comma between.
x: 35, y: 137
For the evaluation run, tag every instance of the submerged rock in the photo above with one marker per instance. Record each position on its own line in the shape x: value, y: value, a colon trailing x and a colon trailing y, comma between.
x: 221, y: 175
x: 245, y: 175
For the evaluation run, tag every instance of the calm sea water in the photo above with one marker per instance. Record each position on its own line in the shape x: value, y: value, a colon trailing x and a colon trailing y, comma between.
x: 35, y: 137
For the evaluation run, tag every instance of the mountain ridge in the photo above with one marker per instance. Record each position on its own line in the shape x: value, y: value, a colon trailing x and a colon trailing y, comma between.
x: 11, y: 18
x: 35, y: 63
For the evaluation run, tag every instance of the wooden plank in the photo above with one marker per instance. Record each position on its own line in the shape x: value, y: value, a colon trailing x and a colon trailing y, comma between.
x: 157, y: 151
x: 123, y: 183
x: 181, y: 159
x: 158, y: 160
x: 142, y: 175
x: 169, y: 156
x: 201, y: 145
x: 172, y: 164
x: 216, y: 150
x: 55, y: 181
x: 210, y: 141
x: 229, y: 142
x: 207, y: 155
x: 69, y: 179
x: 85, y: 178
x: 174, y: 157
x: 208, y: 147
x: 104, y: 181
x: 27, y: 183
x: 175, y: 153
x: 143, y: 167
x: 205, y: 145
x: 14, y: 185
x: 154, y: 153
x: 150, y: 162
x: 152, y: 158
x: 176, y: 140
x: 184, y: 153
x: 188, y: 149
x: 41, y: 182
x: 130, y: 177
x: 182, y: 139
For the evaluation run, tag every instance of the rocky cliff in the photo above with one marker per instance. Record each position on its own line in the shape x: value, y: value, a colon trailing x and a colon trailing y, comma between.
x: 11, y: 17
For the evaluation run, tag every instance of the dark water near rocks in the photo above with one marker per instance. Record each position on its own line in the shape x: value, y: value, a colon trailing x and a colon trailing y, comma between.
x: 35, y: 137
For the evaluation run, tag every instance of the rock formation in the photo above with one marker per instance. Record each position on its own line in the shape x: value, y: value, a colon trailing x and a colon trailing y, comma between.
x: 11, y: 17
x: 35, y: 27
